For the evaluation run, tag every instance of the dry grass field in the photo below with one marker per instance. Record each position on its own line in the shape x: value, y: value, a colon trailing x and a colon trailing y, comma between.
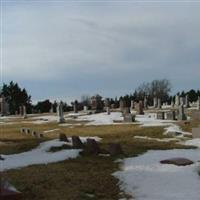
x: 86, y: 177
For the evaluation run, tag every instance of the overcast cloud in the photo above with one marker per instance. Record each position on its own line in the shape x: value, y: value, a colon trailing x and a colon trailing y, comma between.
x: 63, y: 50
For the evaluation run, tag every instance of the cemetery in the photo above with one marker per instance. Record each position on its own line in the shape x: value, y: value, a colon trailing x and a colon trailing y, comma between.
x: 85, y: 147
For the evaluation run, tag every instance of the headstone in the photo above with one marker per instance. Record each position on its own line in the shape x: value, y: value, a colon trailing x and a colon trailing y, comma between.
x: 77, y: 143
x: 177, y: 100
x: 23, y: 130
x: 160, y: 115
x: 63, y: 137
x: 51, y: 110
x: 60, y: 113
x: 122, y: 105
x: 129, y: 118
x: 126, y: 110
x: 85, y: 108
x: 108, y: 110
x: 132, y: 104
x: 145, y: 103
x: 24, y: 112
x: 115, y: 149
x: 187, y: 104
x: 196, y: 132
x: 172, y: 104
x: 181, y: 113
x: 40, y: 135
x: 34, y: 133
x: 92, y: 147
x: 76, y: 106
x: 159, y: 103
x: 28, y: 131
x: 139, y: 108
x: 182, y: 101
x: 171, y: 115
x: 155, y: 102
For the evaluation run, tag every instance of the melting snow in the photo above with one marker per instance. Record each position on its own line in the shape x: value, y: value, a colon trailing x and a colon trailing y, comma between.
x: 40, y: 155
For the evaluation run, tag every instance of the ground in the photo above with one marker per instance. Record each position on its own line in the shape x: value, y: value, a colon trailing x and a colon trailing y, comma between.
x: 86, y: 177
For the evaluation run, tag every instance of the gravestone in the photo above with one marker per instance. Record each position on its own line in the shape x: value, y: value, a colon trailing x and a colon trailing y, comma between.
x: 108, y: 110
x: 51, y: 110
x: 187, y: 104
x: 159, y: 103
x: 129, y: 118
x: 28, y: 130
x: 122, y: 105
x: 145, y: 103
x: 34, y: 133
x: 132, y: 104
x: 77, y: 143
x: 177, y: 100
x: 196, y: 132
x: 160, y: 115
x: 172, y: 104
x: 92, y: 147
x: 182, y: 101
x: 23, y: 130
x: 139, y: 108
x: 76, y: 106
x: 60, y: 113
x: 63, y: 137
x: 155, y: 102
x: 85, y: 108
x: 24, y: 112
x: 181, y: 113
x: 171, y: 115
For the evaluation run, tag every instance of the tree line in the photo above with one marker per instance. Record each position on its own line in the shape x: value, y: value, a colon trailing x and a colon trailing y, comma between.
x: 16, y: 96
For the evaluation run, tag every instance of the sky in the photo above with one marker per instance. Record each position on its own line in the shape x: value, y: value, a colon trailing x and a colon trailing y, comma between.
x: 65, y: 49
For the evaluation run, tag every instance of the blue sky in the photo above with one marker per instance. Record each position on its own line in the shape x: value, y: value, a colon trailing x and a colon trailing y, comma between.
x: 63, y: 49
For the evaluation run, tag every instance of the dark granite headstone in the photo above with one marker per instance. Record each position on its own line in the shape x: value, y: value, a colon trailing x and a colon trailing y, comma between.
x: 77, y: 143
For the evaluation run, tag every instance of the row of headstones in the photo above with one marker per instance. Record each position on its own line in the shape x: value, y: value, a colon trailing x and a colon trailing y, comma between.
x: 172, y: 115
x: 33, y: 133
x: 91, y: 146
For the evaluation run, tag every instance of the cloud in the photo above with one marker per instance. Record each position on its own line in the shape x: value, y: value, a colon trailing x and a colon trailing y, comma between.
x: 106, y: 48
